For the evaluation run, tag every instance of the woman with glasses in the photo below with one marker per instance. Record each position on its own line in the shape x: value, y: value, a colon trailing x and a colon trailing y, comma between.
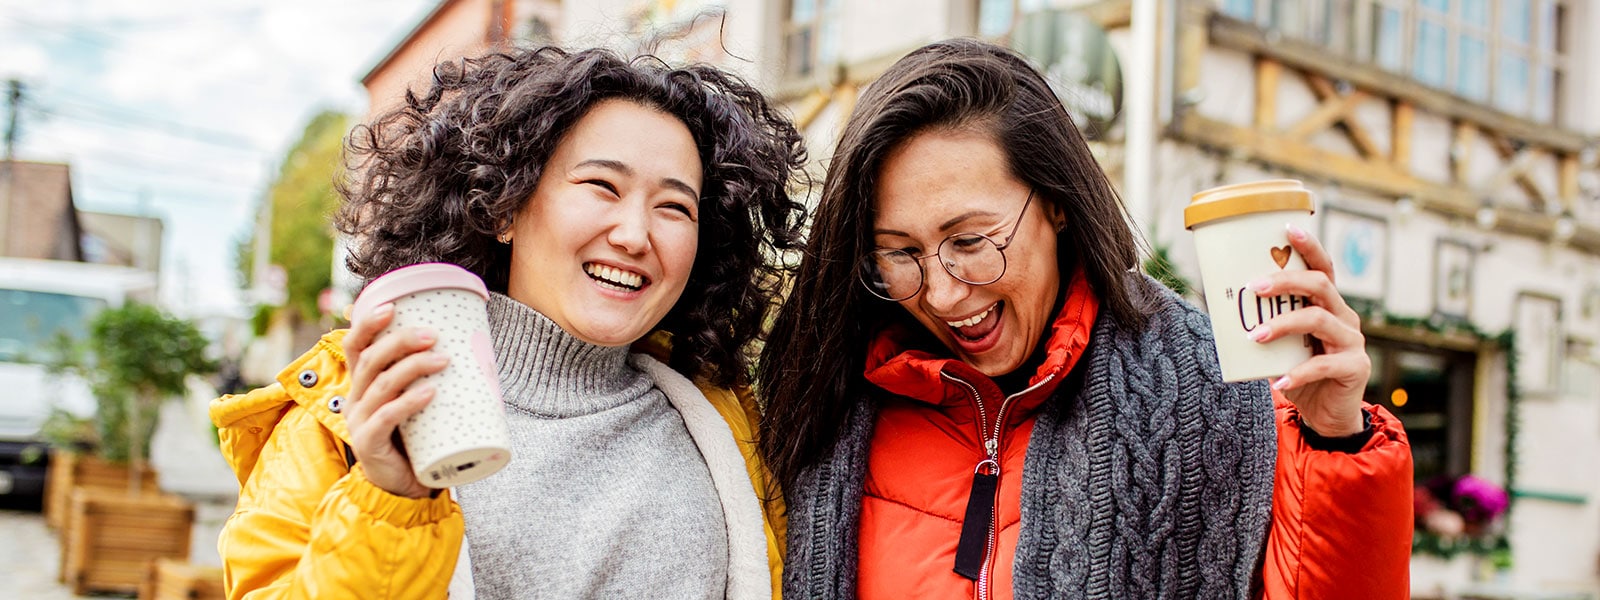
x: 1000, y: 406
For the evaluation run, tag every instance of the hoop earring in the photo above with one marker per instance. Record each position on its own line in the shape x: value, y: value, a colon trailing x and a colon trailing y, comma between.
x: 504, y: 237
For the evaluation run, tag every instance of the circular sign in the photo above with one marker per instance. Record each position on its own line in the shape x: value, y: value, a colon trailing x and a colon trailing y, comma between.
x: 1079, y: 63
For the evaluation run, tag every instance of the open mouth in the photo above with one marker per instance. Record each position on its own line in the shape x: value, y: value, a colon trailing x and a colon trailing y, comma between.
x: 621, y: 280
x: 978, y: 326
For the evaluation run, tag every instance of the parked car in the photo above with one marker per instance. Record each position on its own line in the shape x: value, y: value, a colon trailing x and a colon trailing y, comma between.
x: 40, y: 299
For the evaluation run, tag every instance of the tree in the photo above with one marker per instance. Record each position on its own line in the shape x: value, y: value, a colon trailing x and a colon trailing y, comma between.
x: 135, y: 357
x: 302, y: 200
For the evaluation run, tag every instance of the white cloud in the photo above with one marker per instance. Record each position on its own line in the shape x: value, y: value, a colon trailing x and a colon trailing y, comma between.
x: 244, y: 71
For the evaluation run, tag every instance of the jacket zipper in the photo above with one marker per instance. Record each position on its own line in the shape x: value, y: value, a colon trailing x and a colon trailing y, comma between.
x: 991, y: 448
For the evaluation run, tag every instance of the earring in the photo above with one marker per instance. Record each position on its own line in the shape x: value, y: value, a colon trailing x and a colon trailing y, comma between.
x: 504, y: 237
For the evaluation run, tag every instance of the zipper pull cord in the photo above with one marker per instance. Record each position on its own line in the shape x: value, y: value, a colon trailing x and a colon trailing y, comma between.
x: 974, y: 543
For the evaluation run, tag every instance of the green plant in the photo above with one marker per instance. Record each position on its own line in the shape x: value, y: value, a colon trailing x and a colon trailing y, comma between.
x: 1160, y: 266
x: 134, y: 357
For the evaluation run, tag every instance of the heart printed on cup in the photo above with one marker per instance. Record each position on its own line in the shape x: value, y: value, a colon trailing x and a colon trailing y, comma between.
x: 1281, y: 256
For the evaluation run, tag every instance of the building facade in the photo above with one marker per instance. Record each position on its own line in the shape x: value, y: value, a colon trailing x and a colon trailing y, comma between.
x: 1451, y: 144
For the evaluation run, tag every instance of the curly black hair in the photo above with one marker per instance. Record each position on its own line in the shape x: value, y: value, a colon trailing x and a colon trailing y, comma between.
x: 436, y: 179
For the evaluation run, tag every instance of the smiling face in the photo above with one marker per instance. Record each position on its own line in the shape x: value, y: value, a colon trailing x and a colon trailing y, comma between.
x: 944, y: 182
x: 605, y: 245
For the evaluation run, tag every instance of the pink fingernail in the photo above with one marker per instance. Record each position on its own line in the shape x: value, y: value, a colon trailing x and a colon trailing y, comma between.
x: 1282, y: 384
x: 1260, y: 285
x: 426, y: 335
x: 383, y: 310
x: 1295, y: 233
x: 1259, y: 333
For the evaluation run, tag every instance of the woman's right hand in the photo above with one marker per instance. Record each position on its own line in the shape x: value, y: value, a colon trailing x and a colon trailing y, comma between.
x: 382, y: 396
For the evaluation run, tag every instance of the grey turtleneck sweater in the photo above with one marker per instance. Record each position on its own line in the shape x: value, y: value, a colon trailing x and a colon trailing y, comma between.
x: 606, y: 496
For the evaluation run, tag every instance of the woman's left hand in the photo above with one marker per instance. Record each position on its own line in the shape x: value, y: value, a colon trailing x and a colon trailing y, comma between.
x: 1328, y: 388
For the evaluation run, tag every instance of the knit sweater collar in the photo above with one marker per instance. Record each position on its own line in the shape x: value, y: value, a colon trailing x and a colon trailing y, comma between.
x: 547, y: 371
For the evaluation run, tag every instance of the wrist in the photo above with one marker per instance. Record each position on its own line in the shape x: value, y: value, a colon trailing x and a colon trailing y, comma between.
x: 1350, y: 443
x: 1337, y: 427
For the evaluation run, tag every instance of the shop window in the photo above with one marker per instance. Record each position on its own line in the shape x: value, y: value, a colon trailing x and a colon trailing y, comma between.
x: 1510, y: 54
x: 811, y: 36
x: 1430, y: 391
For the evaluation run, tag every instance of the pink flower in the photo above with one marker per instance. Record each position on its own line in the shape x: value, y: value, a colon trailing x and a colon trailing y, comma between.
x: 1479, y: 501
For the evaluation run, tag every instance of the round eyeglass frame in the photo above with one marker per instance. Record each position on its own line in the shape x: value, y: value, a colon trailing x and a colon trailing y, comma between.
x: 862, y: 268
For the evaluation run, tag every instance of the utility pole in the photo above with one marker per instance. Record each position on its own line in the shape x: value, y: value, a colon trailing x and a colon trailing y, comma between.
x: 8, y: 172
x: 14, y: 106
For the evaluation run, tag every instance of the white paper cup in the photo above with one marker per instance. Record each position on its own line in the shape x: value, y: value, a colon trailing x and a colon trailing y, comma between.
x: 461, y: 436
x: 1239, y: 237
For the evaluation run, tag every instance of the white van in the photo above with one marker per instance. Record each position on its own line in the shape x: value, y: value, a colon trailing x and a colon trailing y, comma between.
x: 39, y: 298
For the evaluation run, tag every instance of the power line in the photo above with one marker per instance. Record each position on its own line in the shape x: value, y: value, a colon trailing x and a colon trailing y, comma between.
x: 86, y: 113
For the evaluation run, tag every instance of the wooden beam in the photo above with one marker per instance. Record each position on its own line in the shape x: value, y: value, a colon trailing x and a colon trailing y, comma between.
x: 1568, y: 182
x: 1378, y: 177
x: 1192, y: 42
x: 1108, y: 14
x: 1226, y: 32
x: 1400, y: 126
x: 845, y: 97
x: 811, y: 107
x: 1332, y: 110
x: 1358, y: 134
x: 1267, y: 71
x: 1517, y: 170
x: 1325, y: 91
x: 1461, y: 144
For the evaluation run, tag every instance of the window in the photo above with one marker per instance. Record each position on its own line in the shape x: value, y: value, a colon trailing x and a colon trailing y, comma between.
x: 30, y: 321
x: 1506, y: 53
x: 997, y: 17
x: 1430, y: 391
x: 811, y: 36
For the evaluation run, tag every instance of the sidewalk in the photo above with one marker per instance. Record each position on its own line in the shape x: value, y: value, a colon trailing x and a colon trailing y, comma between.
x: 188, y: 463
x: 28, y: 558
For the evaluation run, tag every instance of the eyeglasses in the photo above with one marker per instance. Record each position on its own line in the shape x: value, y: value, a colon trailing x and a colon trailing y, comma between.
x: 972, y: 258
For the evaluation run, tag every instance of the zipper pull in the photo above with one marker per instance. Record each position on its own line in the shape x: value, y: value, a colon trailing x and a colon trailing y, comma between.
x: 975, y: 525
x: 992, y: 448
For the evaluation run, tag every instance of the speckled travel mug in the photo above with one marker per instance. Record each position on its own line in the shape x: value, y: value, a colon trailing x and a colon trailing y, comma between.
x: 461, y: 436
x: 1239, y: 237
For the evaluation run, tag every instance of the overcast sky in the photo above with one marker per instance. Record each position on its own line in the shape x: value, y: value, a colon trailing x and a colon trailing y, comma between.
x: 188, y: 103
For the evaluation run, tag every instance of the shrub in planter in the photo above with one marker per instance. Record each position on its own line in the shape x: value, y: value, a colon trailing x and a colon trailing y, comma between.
x: 135, y: 357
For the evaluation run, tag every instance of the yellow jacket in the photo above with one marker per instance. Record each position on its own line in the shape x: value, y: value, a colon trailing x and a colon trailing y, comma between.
x: 310, y: 526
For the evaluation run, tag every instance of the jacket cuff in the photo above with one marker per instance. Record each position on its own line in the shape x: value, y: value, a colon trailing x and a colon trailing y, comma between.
x: 1349, y: 444
x: 395, y: 510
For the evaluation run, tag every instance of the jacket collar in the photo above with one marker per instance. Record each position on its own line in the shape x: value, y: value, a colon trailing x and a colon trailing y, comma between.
x: 896, y: 363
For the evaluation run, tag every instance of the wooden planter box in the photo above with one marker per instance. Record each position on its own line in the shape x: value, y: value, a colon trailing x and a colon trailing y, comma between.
x: 70, y: 470
x: 112, y: 537
x: 170, y: 579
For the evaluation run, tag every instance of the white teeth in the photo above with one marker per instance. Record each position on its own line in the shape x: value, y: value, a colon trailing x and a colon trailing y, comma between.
x: 973, y: 320
x: 615, y: 276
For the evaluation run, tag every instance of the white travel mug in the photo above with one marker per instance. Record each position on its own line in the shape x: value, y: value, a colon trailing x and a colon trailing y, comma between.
x: 1239, y: 237
x: 461, y: 435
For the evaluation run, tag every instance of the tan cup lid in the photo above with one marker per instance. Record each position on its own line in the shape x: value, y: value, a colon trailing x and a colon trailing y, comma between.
x: 1247, y: 198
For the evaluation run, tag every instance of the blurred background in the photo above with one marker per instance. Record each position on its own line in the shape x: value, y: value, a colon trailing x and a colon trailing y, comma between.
x: 180, y: 154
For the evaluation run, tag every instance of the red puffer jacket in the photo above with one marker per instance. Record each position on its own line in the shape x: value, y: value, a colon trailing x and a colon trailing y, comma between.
x: 1341, y: 523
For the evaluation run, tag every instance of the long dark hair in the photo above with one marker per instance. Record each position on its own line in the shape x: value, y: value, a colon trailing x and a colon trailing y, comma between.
x: 439, y: 177
x: 810, y: 371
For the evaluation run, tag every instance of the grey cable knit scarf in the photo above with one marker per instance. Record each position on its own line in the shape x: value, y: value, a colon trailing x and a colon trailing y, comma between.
x: 1151, y: 480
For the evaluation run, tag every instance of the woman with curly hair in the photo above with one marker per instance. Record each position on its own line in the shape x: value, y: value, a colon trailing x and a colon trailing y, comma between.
x: 619, y: 212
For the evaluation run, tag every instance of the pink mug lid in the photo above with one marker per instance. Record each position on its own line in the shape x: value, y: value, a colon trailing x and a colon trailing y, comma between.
x: 415, y: 278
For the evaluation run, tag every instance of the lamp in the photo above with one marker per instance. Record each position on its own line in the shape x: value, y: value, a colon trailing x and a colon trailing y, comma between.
x: 1565, y: 227
x: 1487, y: 216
